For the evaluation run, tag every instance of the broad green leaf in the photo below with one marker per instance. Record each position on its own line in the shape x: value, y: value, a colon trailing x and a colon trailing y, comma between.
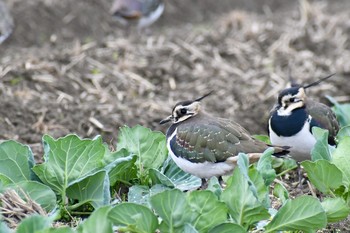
x: 280, y: 192
x: 141, y: 194
x: 97, y: 222
x: 158, y: 178
x: 341, y: 159
x: 304, y: 213
x: 321, y: 148
x: 264, y: 166
x: 343, y: 132
x: 262, y: 190
x: 93, y: 189
x: 69, y: 160
x: 336, y: 209
x: 209, y: 211
x: 38, y: 192
x: 255, y: 180
x: 150, y: 147
x: 16, y: 161
x: 172, y: 207
x: 228, y: 228
x: 189, y: 229
x: 243, y: 206
x: 342, y: 111
x: 134, y: 218
x: 34, y: 223
x: 57, y: 230
x: 181, y: 180
x: 324, y: 175
x: 122, y: 167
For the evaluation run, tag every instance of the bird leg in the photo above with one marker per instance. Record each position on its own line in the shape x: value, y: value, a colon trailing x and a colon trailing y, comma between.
x: 204, y: 184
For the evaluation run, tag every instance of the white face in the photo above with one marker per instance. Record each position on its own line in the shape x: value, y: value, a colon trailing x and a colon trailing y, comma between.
x: 291, y: 102
x: 183, y: 112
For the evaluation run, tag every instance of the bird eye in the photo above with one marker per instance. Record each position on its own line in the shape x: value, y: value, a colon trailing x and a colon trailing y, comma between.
x: 292, y: 99
x: 183, y: 110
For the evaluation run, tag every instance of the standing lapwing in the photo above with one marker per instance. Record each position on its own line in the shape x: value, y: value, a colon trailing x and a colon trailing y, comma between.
x: 206, y: 146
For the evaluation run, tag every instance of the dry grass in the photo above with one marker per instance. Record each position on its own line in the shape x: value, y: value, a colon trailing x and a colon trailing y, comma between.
x: 16, y: 207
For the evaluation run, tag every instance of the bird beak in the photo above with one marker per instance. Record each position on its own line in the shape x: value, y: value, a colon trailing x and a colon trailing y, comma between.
x: 166, y: 120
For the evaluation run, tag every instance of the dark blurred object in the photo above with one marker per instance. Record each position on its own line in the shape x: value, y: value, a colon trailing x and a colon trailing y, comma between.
x: 6, y: 22
x: 141, y: 13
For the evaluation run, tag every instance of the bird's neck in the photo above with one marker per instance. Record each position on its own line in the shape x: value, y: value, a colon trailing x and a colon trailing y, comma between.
x: 289, y: 125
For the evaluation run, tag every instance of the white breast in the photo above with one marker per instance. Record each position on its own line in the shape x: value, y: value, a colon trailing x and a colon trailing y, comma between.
x: 301, y: 143
x: 201, y: 170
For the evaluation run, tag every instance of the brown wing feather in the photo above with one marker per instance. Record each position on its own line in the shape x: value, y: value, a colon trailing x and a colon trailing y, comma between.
x: 325, y: 117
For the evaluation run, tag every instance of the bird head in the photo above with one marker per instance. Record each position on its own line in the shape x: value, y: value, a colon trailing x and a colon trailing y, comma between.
x: 185, y: 110
x: 294, y: 97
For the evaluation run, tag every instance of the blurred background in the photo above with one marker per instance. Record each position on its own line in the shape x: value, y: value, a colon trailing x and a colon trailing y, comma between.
x: 70, y: 67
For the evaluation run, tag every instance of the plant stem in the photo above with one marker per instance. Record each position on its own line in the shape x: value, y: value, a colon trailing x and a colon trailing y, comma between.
x: 81, y: 213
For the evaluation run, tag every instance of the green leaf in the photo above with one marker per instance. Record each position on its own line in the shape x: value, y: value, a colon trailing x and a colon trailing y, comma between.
x: 34, y: 223
x: 244, y: 206
x: 264, y: 166
x: 135, y: 217
x: 260, y: 190
x: 263, y: 138
x: 57, y: 230
x: 158, y: 178
x: 93, y: 189
x: 280, y: 192
x: 321, y: 148
x: 208, y: 209
x: 304, y: 213
x: 38, y: 192
x: 172, y: 207
x: 324, y: 175
x: 336, y: 209
x: 228, y: 228
x: 16, y: 161
x: 97, y: 222
x: 188, y: 228
x: 341, y: 157
x: 342, y: 111
x: 122, y: 168
x: 69, y: 160
x: 181, y: 180
x: 214, y: 186
x: 141, y: 194
x: 150, y: 147
x: 343, y: 132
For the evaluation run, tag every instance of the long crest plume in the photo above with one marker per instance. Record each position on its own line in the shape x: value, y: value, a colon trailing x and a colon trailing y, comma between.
x: 202, y: 97
x: 318, y: 81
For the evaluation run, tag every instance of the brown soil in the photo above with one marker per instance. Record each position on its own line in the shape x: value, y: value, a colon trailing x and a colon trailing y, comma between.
x: 70, y: 68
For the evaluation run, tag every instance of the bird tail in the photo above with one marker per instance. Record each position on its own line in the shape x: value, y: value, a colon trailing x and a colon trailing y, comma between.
x: 280, y: 151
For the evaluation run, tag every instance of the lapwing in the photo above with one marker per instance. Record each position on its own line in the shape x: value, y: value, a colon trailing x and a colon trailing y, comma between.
x: 206, y: 146
x: 293, y: 118
x: 142, y: 13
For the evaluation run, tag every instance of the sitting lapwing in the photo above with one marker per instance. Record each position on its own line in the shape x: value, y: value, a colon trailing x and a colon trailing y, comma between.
x: 294, y: 116
x: 142, y: 13
x: 205, y: 146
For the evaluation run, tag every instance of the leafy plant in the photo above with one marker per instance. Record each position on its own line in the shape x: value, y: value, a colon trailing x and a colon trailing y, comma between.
x: 83, y: 176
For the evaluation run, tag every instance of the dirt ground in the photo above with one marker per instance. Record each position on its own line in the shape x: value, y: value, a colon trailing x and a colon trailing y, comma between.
x: 70, y: 68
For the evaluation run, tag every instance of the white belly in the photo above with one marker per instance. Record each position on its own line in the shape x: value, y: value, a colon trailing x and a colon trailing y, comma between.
x: 301, y: 144
x: 201, y: 170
